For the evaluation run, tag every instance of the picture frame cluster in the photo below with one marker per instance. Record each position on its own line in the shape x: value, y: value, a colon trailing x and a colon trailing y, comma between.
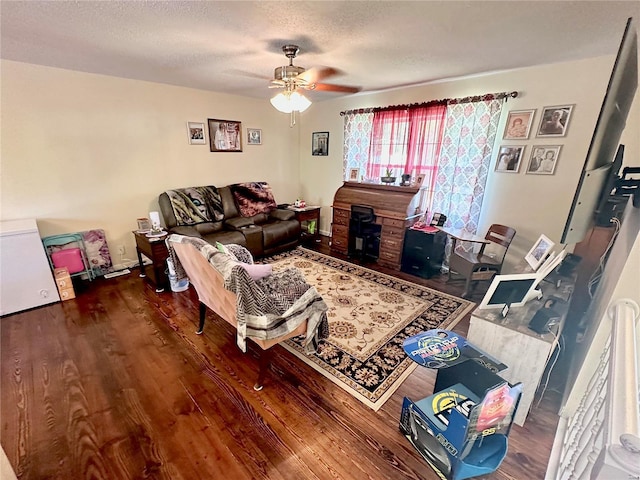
x: 223, y: 135
x: 543, y: 159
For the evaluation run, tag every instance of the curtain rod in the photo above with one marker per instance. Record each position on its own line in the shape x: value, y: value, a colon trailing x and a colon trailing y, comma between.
x: 444, y: 101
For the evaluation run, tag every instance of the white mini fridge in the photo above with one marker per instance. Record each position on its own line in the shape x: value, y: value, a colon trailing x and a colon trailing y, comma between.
x: 26, y: 280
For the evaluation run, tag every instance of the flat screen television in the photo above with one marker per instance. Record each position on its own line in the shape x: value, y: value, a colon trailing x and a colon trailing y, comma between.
x: 612, y: 119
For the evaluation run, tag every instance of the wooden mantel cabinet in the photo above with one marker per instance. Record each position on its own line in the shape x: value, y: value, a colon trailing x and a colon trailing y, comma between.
x: 396, y: 208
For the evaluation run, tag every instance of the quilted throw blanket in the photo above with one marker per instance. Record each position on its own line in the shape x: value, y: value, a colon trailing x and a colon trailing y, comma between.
x: 253, y: 198
x: 269, y: 308
x: 196, y: 205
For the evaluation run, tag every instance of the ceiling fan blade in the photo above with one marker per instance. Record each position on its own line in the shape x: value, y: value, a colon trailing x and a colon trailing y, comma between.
x: 325, y: 87
x: 315, y: 74
x: 244, y: 73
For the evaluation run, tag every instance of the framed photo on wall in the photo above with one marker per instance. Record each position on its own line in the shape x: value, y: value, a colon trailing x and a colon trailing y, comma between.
x: 518, y: 124
x: 225, y: 135
x: 254, y: 136
x: 554, y: 121
x: 544, y: 159
x: 509, y: 158
x: 320, y: 143
x: 196, y: 133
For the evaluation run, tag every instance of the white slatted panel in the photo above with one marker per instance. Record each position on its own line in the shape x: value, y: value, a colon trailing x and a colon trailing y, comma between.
x: 587, y: 444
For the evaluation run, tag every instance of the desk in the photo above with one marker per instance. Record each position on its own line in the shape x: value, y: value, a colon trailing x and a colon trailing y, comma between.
x: 309, y: 218
x: 457, y: 234
x: 395, y: 208
x: 463, y: 236
x: 511, y: 341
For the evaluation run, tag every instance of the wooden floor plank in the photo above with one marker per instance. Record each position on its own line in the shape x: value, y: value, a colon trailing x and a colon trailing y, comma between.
x: 116, y: 384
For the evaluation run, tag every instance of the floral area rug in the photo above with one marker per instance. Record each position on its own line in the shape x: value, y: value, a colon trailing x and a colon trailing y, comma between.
x: 370, y: 314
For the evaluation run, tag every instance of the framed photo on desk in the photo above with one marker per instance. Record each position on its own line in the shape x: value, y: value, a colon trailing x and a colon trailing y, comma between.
x: 539, y: 251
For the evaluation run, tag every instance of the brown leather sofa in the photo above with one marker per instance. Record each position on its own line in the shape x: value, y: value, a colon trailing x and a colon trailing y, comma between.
x: 262, y: 234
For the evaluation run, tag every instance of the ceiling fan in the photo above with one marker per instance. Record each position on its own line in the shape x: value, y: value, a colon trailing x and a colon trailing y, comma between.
x: 291, y: 77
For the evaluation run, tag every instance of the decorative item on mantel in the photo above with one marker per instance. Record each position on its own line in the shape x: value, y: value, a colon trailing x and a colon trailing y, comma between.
x: 406, y: 180
x: 388, y: 177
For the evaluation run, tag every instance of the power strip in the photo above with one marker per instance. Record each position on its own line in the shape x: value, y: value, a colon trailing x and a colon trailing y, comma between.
x: 117, y: 274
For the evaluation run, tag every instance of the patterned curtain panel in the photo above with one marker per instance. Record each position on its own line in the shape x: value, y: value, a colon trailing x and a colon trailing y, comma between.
x: 357, y: 138
x: 464, y: 162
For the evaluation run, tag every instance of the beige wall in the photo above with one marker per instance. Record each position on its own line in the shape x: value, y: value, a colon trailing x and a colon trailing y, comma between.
x: 533, y: 204
x: 82, y: 151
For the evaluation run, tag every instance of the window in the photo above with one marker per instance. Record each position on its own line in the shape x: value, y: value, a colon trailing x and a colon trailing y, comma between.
x: 448, y: 142
x: 403, y: 140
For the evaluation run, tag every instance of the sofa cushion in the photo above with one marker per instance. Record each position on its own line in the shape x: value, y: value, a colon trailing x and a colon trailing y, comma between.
x: 282, y: 214
x: 253, y: 198
x: 260, y: 218
x: 186, y: 230
x: 238, y: 222
x: 193, y: 205
x: 208, y: 228
x: 226, y: 237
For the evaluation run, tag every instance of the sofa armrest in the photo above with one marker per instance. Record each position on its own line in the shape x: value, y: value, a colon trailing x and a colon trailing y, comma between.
x: 186, y: 230
x: 238, y: 223
x: 281, y: 214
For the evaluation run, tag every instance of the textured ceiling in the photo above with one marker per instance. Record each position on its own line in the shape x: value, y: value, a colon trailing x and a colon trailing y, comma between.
x: 234, y: 46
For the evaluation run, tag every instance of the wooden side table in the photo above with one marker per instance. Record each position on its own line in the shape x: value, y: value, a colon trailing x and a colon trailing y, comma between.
x: 307, y: 217
x: 155, y: 250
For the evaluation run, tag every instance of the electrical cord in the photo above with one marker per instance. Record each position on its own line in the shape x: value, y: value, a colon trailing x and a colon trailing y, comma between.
x: 559, y: 341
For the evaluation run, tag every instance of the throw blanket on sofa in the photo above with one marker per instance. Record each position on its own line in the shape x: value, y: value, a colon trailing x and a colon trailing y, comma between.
x: 253, y: 198
x: 262, y: 313
x: 196, y: 205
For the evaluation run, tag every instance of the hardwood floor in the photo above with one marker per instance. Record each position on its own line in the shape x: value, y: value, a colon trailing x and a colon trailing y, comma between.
x: 116, y: 385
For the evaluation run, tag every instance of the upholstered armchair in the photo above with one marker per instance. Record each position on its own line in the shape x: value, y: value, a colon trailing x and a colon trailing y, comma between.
x: 263, y: 306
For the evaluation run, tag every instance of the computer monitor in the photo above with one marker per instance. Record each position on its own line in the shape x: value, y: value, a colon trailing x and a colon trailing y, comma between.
x: 516, y: 289
x: 513, y: 290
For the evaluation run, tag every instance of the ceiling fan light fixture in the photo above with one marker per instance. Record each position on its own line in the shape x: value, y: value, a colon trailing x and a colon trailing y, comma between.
x: 287, y: 102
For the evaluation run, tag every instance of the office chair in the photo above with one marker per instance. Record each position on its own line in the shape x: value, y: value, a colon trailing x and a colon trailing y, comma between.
x: 364, y: 233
